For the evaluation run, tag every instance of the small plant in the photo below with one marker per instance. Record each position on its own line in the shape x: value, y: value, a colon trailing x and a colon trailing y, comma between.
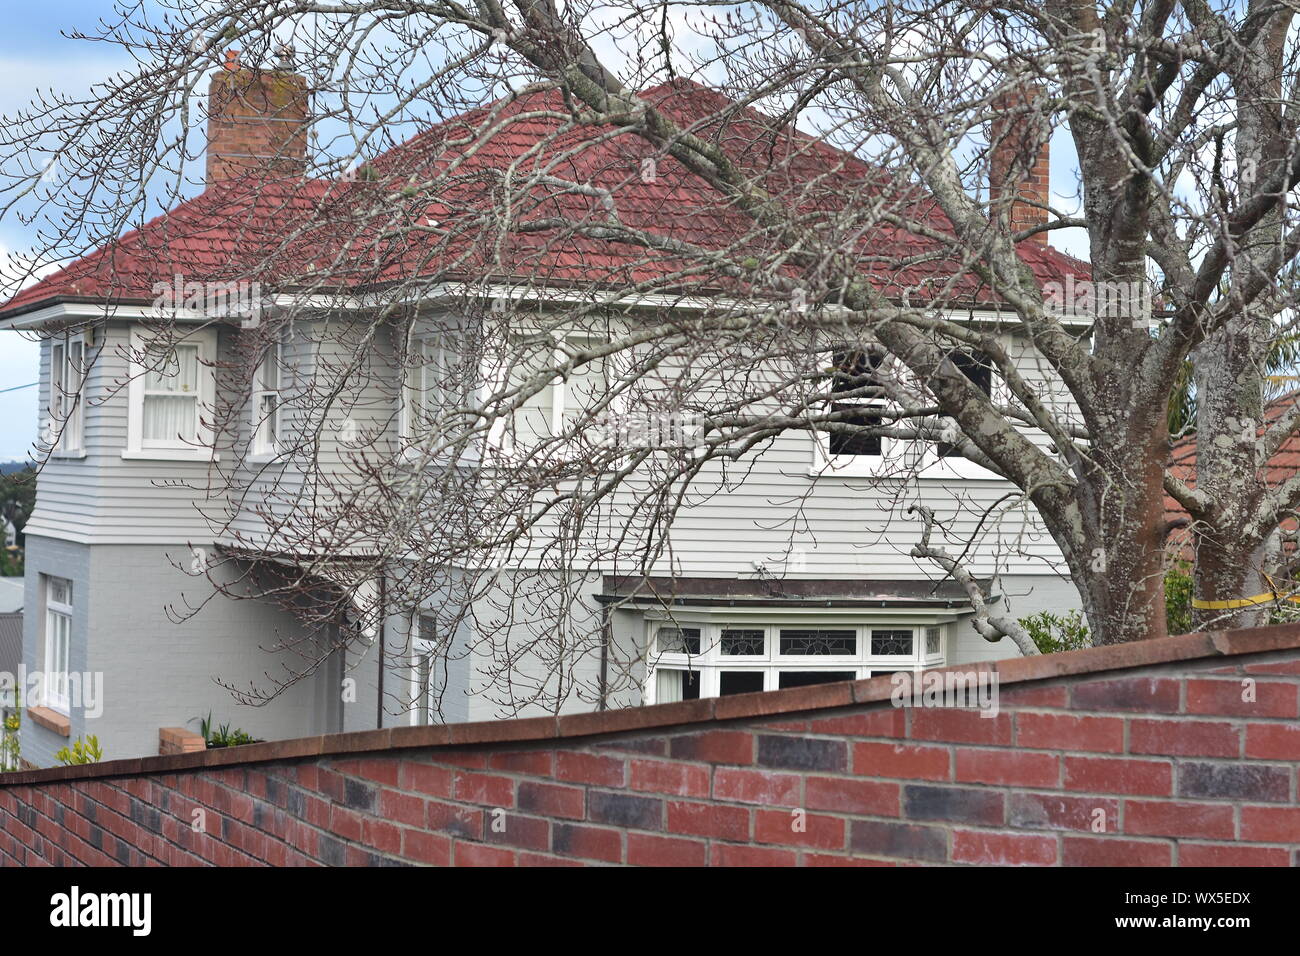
x: 1178, y: 597
x: 222, y: 736
x: 10, y: 749
x: 89, y: 752
x: 1052, y: 633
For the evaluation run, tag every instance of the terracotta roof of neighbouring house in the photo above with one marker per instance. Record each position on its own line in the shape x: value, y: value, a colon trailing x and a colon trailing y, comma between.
x: 256, y: 229
x: 1284, y: 464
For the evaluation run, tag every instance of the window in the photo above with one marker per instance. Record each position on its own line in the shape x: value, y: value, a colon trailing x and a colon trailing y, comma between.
x: 859, y: 401
x: 171, y: 386
x: 267, y: 402
x: 564, y: 400
x: 979, y: 370
x: 678, y: 640
x: 855, y: 372
x: 697, y: 657
x: 933, y: 641
x: 67, y: 376
x: 434, y: 383
x: 58, y: 639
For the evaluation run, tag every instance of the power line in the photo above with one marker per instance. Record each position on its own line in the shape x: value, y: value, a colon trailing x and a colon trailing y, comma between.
x: 17, y: 387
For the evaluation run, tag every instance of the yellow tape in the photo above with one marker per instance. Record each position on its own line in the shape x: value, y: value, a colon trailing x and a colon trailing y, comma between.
x: 1243, y: 602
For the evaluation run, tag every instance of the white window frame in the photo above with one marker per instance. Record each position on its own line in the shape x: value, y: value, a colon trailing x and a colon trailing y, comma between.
x: 497, y: 375
x: 960, y: 467
x: 892, y: 450
x: 172, y: 450
x: 711, y: 662
x: 58, y: 644
x: 67, y: 425
x: 265, y: 440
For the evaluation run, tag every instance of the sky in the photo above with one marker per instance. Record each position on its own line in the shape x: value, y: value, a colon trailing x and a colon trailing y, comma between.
x: 34, y: 55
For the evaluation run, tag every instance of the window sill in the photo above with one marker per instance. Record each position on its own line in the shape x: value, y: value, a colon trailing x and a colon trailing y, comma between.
x: 169, y: 454
x: 50, y: 719
x: 69, y: 455
x: 271, y: 458
x: 967, y: 471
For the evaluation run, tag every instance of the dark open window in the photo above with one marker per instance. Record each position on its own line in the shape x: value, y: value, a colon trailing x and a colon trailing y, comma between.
x: 855, y: 376
x: 976, y: 367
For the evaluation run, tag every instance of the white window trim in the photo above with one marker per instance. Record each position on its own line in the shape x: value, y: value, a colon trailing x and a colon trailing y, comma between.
x: 710, y: 662
x: 893, y: 450
x: 67, y: 433
x: 932, y: 467
x: 495, y: 376
x: 260, y: 449
x: 53, y: 699
x: 204, y: 448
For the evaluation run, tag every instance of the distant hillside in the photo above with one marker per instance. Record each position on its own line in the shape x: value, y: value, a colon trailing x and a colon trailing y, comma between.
x: 8, y: 467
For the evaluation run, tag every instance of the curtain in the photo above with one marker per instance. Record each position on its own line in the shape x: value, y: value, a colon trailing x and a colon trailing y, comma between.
x: 668, y: 685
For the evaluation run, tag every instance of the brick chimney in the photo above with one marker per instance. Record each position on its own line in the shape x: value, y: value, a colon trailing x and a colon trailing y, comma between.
x: 257, y: 121
x: 1019, y: 160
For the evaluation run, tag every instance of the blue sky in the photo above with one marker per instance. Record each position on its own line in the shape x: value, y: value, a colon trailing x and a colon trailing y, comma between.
x: 33, y: 55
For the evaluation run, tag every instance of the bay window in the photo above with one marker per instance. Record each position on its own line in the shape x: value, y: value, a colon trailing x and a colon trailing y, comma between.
x: 172, y: 386
x: 266, y: 403
x: 58, y: 641
x: 718, y: 657
x: 67, y: 381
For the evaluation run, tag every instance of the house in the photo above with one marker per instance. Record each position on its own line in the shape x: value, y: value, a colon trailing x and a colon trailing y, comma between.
x: 794, y: 567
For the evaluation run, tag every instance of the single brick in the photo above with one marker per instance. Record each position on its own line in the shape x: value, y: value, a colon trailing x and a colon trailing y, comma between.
x: 1184, y: 737
x: 1152, y: 694
x: 485, y: 789
x: 1217, y: 854
x: 644, y: 849
x: 666, y: 776
x: 1008, y: 768
x: 625, y: 810
x: 1243, y: 698
x: 1003, y: 849
x: 597, y: 769
x: 1102, y: 851
x: 553, y: 800
x: 1151, y: 778
x: 1235, y: 782
x: 903, y: 840
x: 799, y: 828
x: 802, y: 753
x: 729, y: 854
x: 1270, y: 824
x: 1050, y: 811
x: 715, y: 746
x: 756, y: 786
x: 1273, y: 741
x: 1165, y: 818
x: 475, y: 854
x: 955, y: 804
x: 593, y: 843
x: 961, y: 726
x: 881, y: 722
x: 517, y: 830
x: 708, y: 819
x: 844, y: 795
x: 908, y: 761
x: 1069, y: 732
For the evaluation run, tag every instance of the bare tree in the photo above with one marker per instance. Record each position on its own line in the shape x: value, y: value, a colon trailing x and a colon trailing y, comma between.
x: 491, y: 179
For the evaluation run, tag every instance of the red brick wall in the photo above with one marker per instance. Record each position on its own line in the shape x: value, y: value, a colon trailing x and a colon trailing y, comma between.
x: 1183, y: 751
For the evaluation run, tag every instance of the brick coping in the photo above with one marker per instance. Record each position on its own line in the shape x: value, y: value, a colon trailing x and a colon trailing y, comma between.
x: 1093, y: 660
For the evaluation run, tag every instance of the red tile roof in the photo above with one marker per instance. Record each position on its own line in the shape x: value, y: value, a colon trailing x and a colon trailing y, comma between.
x: 252, y: 229
x: 1283, y: 465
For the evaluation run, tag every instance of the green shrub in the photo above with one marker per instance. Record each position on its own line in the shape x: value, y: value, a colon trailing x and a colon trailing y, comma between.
x: 1052, y: 632
x: 90, y: 752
